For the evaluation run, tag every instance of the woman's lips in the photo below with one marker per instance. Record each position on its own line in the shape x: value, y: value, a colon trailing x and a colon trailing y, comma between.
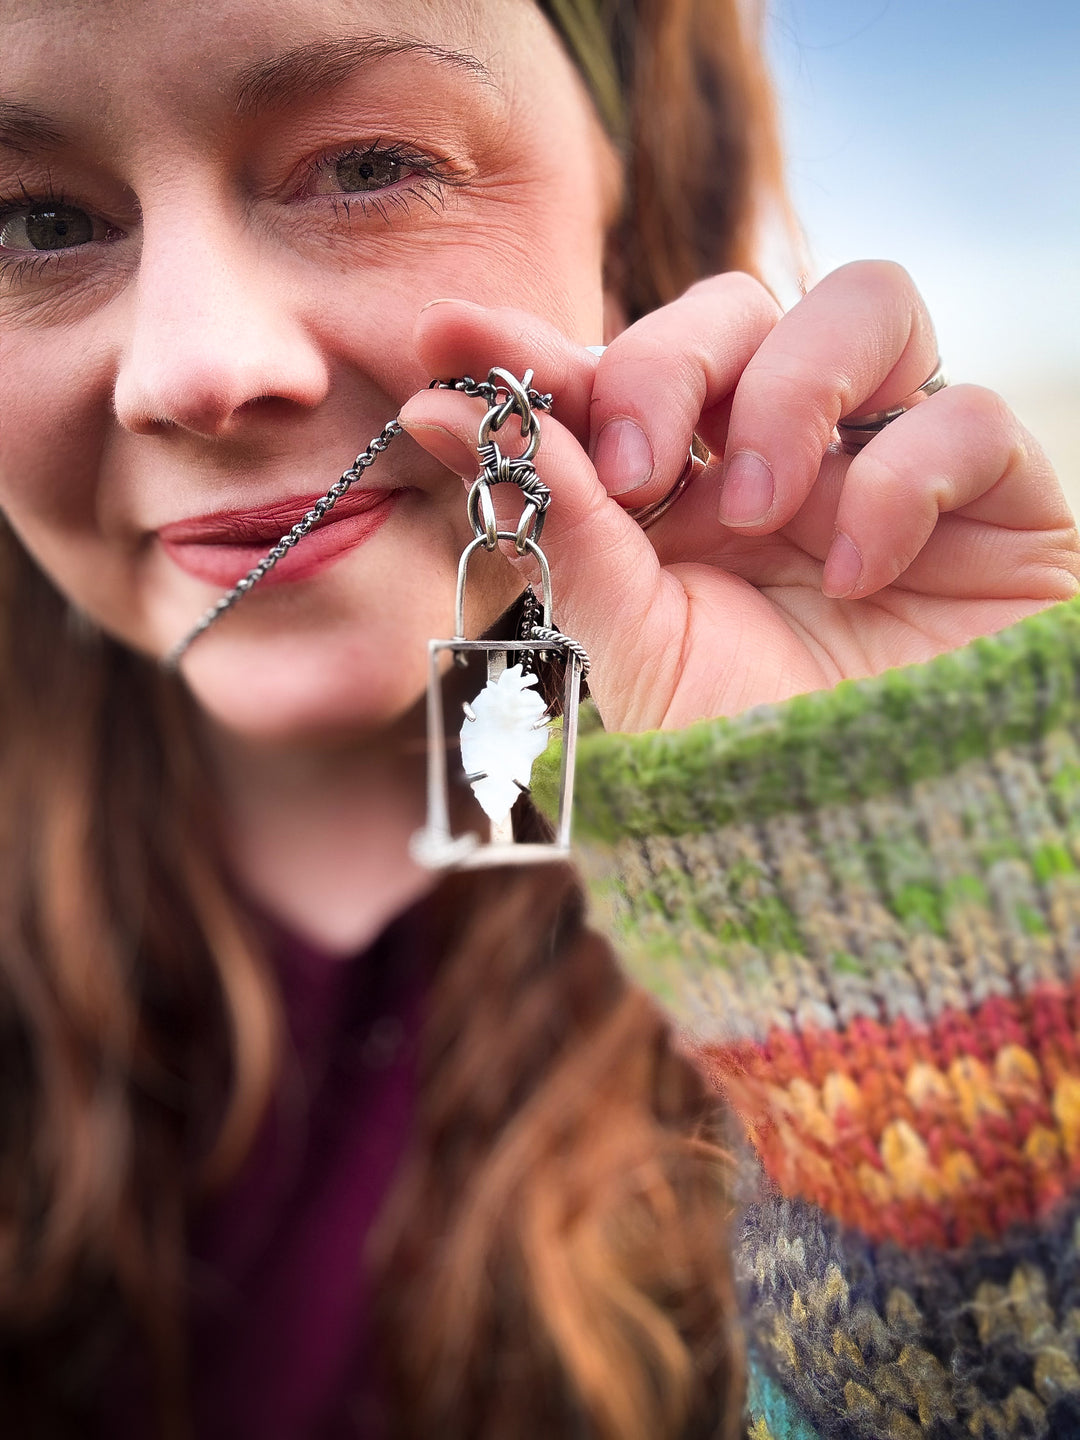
x: 222, y: 547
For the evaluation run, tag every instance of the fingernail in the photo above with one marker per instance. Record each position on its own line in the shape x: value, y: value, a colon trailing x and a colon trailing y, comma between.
x: 623, y: 457
x: 747, y: 491
x: 843, y: 568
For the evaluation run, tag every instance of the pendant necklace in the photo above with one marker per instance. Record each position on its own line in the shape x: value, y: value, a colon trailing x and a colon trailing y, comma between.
x: 506, y: 726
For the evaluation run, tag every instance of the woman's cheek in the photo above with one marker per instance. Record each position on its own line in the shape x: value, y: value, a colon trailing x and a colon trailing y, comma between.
x: 537, y: 252
x: 508, y: 246
x: 55, y: 410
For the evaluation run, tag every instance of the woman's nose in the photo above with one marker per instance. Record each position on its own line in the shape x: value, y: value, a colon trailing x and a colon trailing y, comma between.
x: 214, y: 327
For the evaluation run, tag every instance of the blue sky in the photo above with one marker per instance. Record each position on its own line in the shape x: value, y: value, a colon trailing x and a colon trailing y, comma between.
x: 946, y: 135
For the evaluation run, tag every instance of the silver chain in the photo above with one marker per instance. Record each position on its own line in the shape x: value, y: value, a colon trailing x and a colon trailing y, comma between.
x: 505, y: 396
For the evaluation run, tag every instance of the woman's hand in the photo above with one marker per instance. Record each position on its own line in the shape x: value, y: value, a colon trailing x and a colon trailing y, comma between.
x: 785, y: 565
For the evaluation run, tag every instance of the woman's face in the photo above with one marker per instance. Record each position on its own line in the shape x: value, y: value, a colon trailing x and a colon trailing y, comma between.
x: 219, y: 221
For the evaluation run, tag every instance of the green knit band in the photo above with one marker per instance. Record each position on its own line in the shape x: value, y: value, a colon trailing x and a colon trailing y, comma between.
x: 862, y: 737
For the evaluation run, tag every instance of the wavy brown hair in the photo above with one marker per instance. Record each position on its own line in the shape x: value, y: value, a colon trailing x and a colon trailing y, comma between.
x: 554, y: 1256
x: 704, y: 164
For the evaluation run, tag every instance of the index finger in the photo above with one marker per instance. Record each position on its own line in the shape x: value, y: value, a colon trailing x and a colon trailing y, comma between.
x: 457, y: 337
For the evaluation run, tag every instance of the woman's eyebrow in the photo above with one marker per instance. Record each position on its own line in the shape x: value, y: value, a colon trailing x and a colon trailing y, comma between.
x: 23, y: 128
x: 322, y: 64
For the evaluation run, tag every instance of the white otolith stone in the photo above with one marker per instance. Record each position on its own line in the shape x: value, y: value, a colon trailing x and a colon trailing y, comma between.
x: 510, y: 730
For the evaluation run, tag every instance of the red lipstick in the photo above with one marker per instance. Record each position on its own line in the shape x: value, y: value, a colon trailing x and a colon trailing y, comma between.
x: 223, y: 546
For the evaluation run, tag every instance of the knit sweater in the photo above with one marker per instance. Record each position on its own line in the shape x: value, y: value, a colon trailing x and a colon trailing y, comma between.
x: 862, y: 907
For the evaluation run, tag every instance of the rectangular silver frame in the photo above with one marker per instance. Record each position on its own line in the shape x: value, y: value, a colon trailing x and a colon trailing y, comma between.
x: 436, y: 845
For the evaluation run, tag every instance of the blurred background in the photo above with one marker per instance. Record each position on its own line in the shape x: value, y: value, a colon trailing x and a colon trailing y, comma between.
x: 945, y: 134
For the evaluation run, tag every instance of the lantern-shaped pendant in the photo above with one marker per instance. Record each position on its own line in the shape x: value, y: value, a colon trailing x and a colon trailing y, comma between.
x: 505, y: 724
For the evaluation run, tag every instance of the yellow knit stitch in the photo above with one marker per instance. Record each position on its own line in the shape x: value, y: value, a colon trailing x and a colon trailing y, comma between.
x: 1066, y: 1107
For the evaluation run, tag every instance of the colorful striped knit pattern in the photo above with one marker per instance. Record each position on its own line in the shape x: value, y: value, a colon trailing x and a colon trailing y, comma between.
x: 863, y: 907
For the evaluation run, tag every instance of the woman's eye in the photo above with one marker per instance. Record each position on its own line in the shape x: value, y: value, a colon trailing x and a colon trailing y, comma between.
x: 367, y: 172
x: 362, y: 171
x: 48, y: 226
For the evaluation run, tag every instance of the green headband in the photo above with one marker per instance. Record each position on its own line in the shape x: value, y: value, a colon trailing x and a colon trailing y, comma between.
x: 587, y: 39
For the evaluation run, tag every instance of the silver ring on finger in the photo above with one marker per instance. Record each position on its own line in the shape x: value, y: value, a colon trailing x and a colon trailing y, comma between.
x: 646, y: 515
x: 855, y: 431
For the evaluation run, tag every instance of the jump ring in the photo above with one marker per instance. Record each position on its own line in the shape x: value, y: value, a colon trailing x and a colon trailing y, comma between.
x: 481, y: 512
x: 855, y: 431
x: 528, y: 516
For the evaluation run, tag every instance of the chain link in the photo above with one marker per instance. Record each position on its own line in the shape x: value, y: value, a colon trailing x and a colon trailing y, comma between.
x: 488, y: 391
x: 496, y: 468
x: 531, y: 615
